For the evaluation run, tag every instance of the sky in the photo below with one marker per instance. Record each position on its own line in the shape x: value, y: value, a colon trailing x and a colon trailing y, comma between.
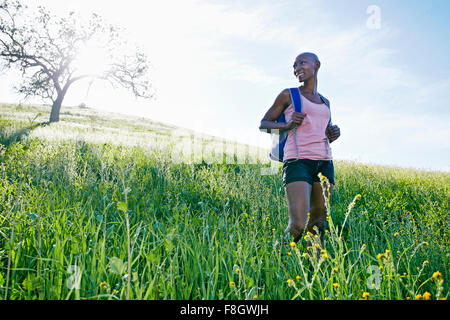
x: 217, y: 67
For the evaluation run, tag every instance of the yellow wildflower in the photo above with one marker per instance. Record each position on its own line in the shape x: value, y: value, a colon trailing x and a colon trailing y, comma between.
x: 418, y: 297
x: 290, y: 282
x: 427, y: 295
x: 289, y: 253
x: 293, y: 244
x: 305, y: 255
x: 232, y: 283
x: 437, y: 275
x: 298, y: 277
x: 335, y: 269
x: 396, y: 234
x: 366, y: 295
x: 325, y: 256
x: 103, y: 284
x: 317, y: 246
x: 237, y: 270
x: 335, y: 285
x: 255, y: 297
x: 115, y: 291
x: 381, y: 267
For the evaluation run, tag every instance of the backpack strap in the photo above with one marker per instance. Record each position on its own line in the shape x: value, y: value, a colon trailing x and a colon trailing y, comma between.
x: 325, y: 101
x: 296, y: 100
x: 297, y: 104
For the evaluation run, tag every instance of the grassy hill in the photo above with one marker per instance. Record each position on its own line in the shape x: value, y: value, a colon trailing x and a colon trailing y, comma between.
x: 96, y: 207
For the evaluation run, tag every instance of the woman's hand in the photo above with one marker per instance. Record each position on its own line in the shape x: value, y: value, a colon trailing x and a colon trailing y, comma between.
x: 333, y: 132
x: 297, y: 119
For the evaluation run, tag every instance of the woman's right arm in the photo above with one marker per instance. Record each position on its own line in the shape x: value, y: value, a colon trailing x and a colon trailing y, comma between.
x: 281, y: 102
x: 268, y: 121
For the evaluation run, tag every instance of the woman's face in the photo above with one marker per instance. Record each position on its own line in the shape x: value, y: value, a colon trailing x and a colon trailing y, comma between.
x: 304, y: 67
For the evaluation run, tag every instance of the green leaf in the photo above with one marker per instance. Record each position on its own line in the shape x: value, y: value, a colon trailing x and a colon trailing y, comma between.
x: 249, y: 282
x: 122, y: 206
x: 152, y: 257
x: 30, y: 283
x: 168, y: 245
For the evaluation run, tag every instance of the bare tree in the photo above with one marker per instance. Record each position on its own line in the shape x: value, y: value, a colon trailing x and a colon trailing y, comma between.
x: 46, y: 49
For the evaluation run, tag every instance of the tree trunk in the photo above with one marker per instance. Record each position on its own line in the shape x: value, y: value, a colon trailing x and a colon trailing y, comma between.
x: 56, y: 108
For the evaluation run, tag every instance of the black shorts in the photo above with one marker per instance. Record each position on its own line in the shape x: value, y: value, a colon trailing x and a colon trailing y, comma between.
x: 307, y: 170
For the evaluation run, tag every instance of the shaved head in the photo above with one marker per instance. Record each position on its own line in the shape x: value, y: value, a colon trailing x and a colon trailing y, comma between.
x: 310, y: 55
x: 311, y: 58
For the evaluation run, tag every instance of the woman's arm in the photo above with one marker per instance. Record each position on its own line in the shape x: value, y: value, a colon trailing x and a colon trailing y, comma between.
x: 333, y: 132
x: 282, y: 101
x: 268, y: 126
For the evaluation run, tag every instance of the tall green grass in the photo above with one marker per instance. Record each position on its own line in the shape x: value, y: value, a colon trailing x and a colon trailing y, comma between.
x: 83, y: 219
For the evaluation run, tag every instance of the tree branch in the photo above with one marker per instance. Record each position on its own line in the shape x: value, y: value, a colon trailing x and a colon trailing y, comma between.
x: 45, y: 47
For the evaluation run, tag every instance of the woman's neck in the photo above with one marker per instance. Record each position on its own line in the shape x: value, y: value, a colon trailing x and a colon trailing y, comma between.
x: 310, y: 86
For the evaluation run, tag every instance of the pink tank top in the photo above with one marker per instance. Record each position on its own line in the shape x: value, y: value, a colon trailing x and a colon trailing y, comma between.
x: 311, y: 137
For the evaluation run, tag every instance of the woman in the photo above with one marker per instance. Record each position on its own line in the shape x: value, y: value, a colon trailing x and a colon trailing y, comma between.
x: 310, y: 153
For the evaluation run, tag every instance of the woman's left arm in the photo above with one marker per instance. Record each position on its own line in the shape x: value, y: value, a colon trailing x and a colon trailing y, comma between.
x: 333, y: 132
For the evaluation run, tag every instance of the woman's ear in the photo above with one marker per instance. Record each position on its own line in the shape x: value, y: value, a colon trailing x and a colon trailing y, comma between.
x: 317, y: 65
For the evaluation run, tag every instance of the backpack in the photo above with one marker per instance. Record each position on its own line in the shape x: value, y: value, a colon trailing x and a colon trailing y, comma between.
x: 279, y: 138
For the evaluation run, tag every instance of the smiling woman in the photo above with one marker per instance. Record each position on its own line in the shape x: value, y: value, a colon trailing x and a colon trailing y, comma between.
x: 307, y: 152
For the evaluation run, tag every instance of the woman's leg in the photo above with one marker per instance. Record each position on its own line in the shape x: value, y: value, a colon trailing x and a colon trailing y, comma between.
x: 318, y: 211
x: 298, y: 194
